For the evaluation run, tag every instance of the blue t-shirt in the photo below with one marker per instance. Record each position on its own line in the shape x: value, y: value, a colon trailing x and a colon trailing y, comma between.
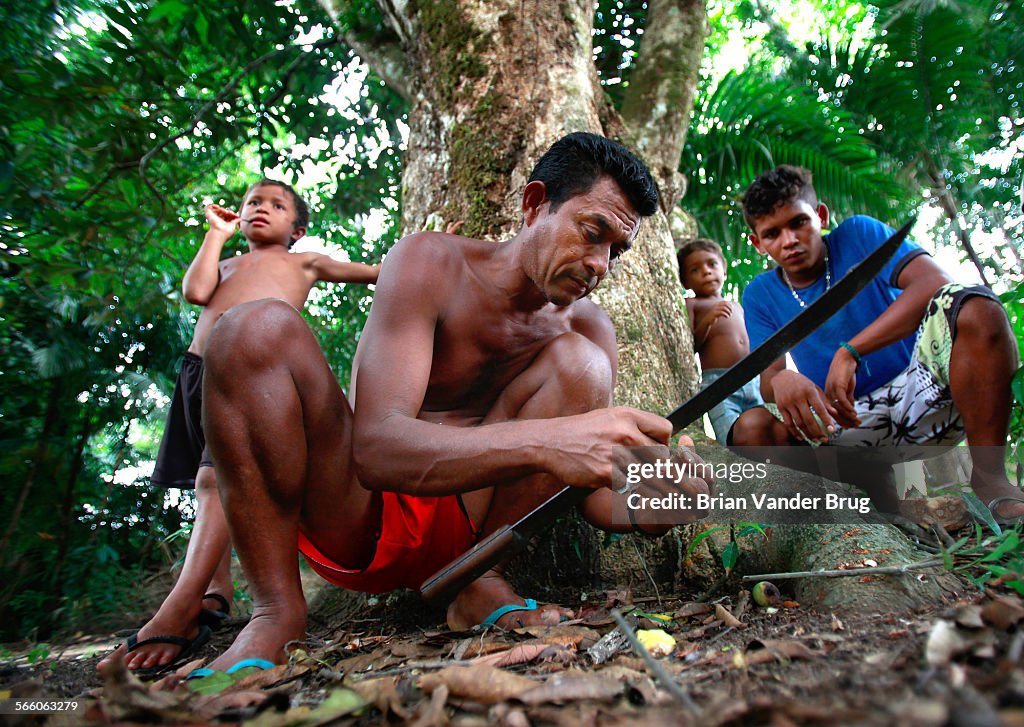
x: 768, y: 304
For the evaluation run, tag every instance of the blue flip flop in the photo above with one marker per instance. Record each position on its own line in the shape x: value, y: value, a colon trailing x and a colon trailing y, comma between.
x: 492, y: 620
x: 260, y: 664
x: 212, y: 681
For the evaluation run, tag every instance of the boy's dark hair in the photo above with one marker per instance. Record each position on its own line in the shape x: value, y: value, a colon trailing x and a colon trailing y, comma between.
x: 697, y: 243
x: 575, y: 162
x: 781, y: 185
x: 301, y: 208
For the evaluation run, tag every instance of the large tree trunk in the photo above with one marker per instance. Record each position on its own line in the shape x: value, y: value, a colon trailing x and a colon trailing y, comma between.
x: 491, y: 85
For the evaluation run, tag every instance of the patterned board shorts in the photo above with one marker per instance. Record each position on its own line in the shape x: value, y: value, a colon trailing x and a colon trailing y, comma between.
x: 913, y: 415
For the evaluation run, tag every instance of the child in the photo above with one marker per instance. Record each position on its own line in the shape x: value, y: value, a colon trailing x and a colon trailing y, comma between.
x: 272, y: 218
x: 719, y: 334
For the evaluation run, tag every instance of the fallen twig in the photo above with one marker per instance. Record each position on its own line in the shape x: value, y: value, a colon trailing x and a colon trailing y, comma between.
x: 658, y: 670
x: 839, y: 573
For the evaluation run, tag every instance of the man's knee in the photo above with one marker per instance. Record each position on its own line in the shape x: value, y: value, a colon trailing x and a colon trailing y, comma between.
x: 206, y: 481
x: 983, y: 320
x: 757, y: 427
x: 250, y: 332
x: 580, y: 366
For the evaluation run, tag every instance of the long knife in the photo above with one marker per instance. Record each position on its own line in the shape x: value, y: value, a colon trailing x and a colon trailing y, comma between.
x: 509, y: 539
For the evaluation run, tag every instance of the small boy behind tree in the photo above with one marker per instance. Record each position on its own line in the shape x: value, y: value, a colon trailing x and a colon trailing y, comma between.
x: 719, y: 333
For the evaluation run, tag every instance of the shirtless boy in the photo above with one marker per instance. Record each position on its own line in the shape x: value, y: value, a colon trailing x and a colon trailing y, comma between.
x: 482, y: 385
x: 719, y: 333
x: 272, y: 218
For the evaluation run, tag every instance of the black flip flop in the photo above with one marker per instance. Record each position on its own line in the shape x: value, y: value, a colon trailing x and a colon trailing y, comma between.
x: 188, y: 648
x: 212, y: 617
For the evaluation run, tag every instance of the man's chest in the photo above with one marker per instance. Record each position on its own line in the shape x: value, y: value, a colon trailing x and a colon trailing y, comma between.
x: 476, y: 355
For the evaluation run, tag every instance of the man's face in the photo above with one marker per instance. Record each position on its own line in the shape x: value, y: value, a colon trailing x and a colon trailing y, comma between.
x: 575, y: 246
x: 791, y: 235
x: 703, y: 273
x: 268, y: 215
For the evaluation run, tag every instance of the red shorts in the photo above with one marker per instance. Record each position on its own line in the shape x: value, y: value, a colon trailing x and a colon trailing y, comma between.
x: 418, y: 537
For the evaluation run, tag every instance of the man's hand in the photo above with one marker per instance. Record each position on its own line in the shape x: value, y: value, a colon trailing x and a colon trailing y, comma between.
x: 584, y: 454
x: 839, y: 386
x: 796, y: 396
x: 680, y: 478
x: 222, y: 220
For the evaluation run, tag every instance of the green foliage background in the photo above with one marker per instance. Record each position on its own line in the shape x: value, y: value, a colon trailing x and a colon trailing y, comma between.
x: 122, y: 119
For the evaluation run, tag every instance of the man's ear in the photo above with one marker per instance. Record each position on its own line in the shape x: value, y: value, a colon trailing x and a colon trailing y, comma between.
x: 756, y: 242
x: 298, y: 233
x: 535, y: 196
x: 823, y: 214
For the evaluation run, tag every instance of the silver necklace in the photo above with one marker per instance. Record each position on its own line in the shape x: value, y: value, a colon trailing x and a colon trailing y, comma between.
x: 828, y: 280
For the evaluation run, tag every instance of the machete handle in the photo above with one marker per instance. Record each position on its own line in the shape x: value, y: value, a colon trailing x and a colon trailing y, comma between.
x: 446, y: 583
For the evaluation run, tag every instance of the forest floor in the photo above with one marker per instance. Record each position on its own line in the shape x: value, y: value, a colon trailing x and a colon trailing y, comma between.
x: 391, y: 660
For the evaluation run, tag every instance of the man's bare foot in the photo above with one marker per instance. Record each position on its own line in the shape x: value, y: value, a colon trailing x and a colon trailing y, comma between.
x: 170, y: 620
x: 989, y: 488
x: 491, y: 591
x: 264, y: 637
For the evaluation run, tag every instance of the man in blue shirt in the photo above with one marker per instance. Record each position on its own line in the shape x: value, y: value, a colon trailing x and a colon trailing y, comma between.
x: 913, y: 361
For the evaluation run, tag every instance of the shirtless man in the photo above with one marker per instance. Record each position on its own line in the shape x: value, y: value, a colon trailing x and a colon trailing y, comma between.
x: 482, y: 386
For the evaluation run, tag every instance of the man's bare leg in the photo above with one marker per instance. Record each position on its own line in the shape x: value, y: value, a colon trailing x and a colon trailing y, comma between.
x: 570, y: 376
x: 279, y: 428
x: 207, y: 569
x: 982, y: 364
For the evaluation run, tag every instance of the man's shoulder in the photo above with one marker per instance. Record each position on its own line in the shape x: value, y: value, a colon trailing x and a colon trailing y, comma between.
x: 860, y: 227
x: 424, y: 256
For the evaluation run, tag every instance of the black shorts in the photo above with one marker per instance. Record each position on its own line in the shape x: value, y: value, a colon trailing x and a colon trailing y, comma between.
x: 183, y: 447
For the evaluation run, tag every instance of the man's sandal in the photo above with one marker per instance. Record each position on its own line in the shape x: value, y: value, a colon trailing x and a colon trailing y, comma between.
x: 994, y: 504
x: 214, y: 617
x: 188, y: 648
x: 492, y: 620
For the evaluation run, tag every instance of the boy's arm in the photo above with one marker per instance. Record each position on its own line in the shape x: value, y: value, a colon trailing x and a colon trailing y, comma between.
x: 920, y: 279
x: 330, y: 270
x: 702, y: 327
x: 203, y: 275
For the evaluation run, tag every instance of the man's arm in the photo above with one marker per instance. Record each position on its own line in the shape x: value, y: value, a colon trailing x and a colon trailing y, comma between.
x: 395, y: 450
x: 203, y: 275
x: 330, y: 270
x: 920, y: 279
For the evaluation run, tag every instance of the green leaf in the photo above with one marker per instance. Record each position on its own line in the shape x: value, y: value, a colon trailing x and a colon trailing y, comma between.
x: 750, y: 529
x: 697, y: 541
x: 980, y: 512
x: 730, y: 554
x: 173, y: 10
x: 1008, y: 544
x: 202, y: 26
x: 1017, y: 386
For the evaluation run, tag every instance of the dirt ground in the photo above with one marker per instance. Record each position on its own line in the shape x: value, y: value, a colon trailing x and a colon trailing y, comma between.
x: 730, y: 662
